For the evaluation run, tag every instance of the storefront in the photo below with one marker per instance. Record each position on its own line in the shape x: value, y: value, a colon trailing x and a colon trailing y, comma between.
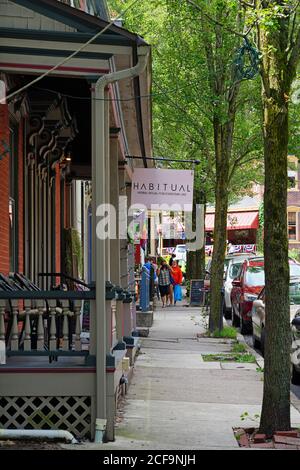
x: 241, y: 227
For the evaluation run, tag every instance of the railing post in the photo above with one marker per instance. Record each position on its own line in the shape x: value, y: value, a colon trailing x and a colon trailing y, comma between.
x: 53, y: 340
x: 27, y: 339
x: 93, y: 335
x: 40, y: 329
x: 65, y: 344
x: 77, y: 308
x: 2, y: 323
x: 14, y: 331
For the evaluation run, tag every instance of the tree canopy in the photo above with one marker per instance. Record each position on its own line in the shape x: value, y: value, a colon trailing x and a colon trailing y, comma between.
x: 183, y: 103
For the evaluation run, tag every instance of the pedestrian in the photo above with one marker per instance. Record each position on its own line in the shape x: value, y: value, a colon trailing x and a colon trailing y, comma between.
x: 172, y: 259
x: 156, y: 286
x: 164, y: 282
x: 171, y: 288
x: 177, y: 277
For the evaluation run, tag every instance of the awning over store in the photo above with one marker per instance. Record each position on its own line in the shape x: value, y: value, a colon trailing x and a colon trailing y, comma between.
x: 235, y: 221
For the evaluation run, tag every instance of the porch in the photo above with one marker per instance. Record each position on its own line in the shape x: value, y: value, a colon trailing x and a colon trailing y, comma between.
x: 67, y: 159
x: 48, y: 380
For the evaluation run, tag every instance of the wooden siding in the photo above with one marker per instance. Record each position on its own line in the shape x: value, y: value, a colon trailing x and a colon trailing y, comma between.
x: 16, y: 16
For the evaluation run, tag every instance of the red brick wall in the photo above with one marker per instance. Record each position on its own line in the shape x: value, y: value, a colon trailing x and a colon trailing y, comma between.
x: 21, y: 197
x: 4, y: 192
x: 57, y: 221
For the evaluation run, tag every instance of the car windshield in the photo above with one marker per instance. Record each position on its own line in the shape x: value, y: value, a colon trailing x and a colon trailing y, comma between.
x: 294, y: 291
x: 226, y: 263
x: 181, y: 249
x: 255, y: 276
x: 294, y: 269
x: 234, y: 270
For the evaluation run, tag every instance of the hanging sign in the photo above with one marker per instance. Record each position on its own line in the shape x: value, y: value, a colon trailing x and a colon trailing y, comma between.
x: 156, y: 187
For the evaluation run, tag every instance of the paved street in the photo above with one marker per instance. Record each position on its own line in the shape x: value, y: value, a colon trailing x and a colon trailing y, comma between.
x: 177, y: 401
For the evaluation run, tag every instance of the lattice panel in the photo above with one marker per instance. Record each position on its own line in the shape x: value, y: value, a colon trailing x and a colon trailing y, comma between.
x: 67, y: 413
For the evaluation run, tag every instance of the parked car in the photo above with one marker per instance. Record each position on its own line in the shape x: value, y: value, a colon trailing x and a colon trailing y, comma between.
x: 294, y: 268
x: 233, y: 264
x: 258, y: 321
x: 245, y: 289
x: 228, y: 259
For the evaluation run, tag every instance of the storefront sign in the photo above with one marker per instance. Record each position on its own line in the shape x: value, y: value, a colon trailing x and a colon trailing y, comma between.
x: 157, y: 187
x: 196, y: 292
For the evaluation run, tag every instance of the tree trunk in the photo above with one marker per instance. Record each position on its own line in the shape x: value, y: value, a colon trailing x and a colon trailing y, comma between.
x: 220, y: 232
x: 276, y: 400
x: 195, y: 267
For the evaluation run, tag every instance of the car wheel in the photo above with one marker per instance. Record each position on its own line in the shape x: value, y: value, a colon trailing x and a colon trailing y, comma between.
x: 227, y: 313
x: 234, y: 318
x: 246, y: 327
x: 295, y: 376
x: 256, y: 343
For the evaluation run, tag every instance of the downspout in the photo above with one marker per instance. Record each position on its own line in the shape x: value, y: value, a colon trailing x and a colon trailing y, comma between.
x: 25, y: 434
x: 101, y: 257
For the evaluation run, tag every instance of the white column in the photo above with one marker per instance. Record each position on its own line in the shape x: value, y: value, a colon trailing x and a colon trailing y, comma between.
x: 114, y: 200
x: 98, y: 316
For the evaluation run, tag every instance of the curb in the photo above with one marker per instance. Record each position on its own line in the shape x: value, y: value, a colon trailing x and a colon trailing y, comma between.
x: 259, y: 359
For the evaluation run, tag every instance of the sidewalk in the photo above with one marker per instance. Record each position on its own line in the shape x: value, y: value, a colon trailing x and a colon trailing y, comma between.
x: 177, y: 401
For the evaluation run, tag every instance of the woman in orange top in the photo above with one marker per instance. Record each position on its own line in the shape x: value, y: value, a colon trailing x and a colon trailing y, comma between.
x: 177, y: 277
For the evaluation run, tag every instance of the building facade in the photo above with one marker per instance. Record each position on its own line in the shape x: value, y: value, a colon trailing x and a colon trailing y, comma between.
x: 293, y: 209
x: 63, y: 148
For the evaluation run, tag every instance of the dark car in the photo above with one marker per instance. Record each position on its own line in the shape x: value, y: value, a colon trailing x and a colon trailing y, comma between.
x: 245, y: 289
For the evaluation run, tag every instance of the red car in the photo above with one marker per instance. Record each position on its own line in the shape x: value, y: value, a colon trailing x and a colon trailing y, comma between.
x: 245, y: 289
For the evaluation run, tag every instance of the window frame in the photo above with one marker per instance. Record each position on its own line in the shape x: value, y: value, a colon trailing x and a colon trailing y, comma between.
x: 296, y: 225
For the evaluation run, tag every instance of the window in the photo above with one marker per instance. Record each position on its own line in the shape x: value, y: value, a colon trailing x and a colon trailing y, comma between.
x: 235, y: 270
x: 292, y: 182
x: 292, y: 226
x: 294, y: 292
x: 255, y: 276
x: 292, y: 173
x: 294, y: 270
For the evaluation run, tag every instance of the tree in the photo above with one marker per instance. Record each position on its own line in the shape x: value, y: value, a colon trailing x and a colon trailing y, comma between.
x: 217, y: 21
x: 279, y: 42
x: 199, y: 106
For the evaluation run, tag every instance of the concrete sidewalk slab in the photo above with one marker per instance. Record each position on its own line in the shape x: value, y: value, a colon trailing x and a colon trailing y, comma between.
x: 177, y: 401
x: 162, y: 420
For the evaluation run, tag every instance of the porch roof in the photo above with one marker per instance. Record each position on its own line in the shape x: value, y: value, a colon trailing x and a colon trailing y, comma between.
x: 35, y: 36
x: 40, y: 34
x: 76, y: 19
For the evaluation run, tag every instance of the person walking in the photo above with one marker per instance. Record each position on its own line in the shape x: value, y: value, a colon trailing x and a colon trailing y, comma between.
x: 177, y: 278
x: 164, y: 282
x: 172, y: 259
x: 171, y: 288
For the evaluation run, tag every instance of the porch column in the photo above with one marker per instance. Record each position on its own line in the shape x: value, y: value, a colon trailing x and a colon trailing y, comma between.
x: 122, y: 252
x: 115, y: 242
x: 123, y: 242
x: 127, y: 271
x: 114, y: 200
x: 99, y: 256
